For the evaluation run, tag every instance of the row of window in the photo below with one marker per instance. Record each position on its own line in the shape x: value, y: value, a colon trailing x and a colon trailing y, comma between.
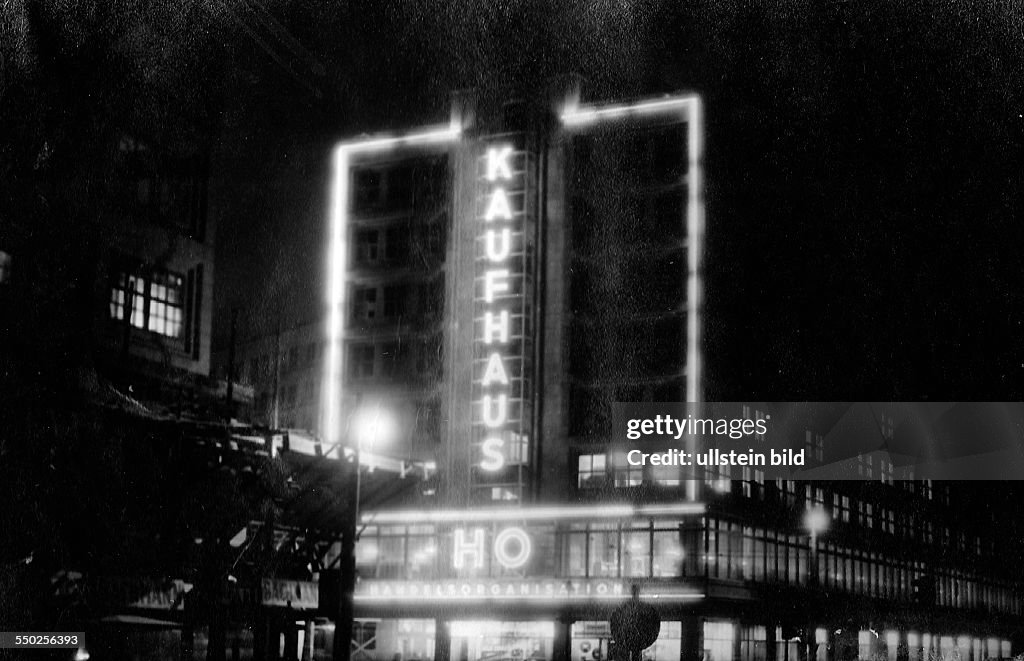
x: 418, y: 245
x: 737, y: 552
x: 599, y: 471
x: 392, y: 301
x: 156, y: 301
x: 407, y: 185
x: 395, y: 359
x: 714, y: 549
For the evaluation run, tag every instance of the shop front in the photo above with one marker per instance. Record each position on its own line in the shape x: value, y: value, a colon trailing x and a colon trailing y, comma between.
x: 520, y: 585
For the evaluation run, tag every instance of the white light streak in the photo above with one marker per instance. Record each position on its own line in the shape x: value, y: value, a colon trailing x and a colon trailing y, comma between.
x: 661, y: 597
x: 542, y: 513
x: 591, y: 114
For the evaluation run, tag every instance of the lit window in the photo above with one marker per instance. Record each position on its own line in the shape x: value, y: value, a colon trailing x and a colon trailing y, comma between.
x: 627, y: 475
x: 887, y: 470
x: 814, y: 446
x: 592, y: 471
x: 157, y: 301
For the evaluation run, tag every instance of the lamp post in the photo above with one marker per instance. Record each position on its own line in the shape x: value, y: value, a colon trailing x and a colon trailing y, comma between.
x: 816, y: 521
x: 367, y: 426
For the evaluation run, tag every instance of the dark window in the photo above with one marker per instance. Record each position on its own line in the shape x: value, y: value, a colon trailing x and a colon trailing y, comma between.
x: 432, y: 240
x: 432, y: 298
x: 396, y: 244
x: 394, y: 358
x: 368, y: 189
x: 400, y: 187
x: 361, y: 358
x: 395, y: 297
x: 364, y: 303
x: 367, y: 246
x: 428, y: 358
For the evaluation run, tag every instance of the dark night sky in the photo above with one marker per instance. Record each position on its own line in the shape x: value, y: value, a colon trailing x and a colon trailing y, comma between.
x: 864, y: 161
x: 864, y: 171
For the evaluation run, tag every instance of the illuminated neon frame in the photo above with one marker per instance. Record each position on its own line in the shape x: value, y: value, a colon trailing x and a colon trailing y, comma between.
x: 690, y: 109
x: 337, y: 262
x: 574, y: 117
x: 537, y: 513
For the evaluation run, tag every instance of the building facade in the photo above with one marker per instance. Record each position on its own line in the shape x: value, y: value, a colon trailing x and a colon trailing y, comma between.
x: 495, y: 284
x: 156, y: 281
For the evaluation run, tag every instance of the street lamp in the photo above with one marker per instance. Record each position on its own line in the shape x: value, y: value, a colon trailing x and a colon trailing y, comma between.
x: 816, y: 520
x: 369, y: 426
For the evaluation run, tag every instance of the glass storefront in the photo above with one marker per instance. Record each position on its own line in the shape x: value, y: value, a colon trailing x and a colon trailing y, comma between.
x: 393, y: 640
x: 491, y: 640
x: 590, y: 642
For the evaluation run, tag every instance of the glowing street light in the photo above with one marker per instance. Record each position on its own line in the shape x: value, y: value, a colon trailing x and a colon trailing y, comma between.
x: 369, y: 426
x: 816, y: 520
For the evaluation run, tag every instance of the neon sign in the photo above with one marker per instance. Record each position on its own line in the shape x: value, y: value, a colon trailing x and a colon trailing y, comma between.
x: 542, y: 591
x: 498, y: 247
x: 500, y: 385
x: 512, y: 548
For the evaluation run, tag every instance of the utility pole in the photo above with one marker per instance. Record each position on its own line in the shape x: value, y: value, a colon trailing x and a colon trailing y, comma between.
x: 231, y: 366
x: 277, y: 375
x: 347, y: 578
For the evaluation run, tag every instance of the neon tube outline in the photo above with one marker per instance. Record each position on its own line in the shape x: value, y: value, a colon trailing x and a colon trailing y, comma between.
x: 337, y: 254
x: 539, y: 513
x: 547, y: 601
x: 577, y: 117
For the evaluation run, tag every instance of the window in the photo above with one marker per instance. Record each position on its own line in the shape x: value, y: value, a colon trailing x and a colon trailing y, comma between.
x: 157, y: 302
x: 592, y: 471
x: 5, y: 267
x: 394, y: 300
x: 625, y: 474
x: 886, y: 467
x: 636, y: 552
x: 396, y: 244
x: 367, y: 246
x: 865, y: 466
x: 603, y: 550
x: 368, y: 188
x: 814, y: 445
x: 753, y: 482
x: 365, y: 303
x: 361, y: 361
